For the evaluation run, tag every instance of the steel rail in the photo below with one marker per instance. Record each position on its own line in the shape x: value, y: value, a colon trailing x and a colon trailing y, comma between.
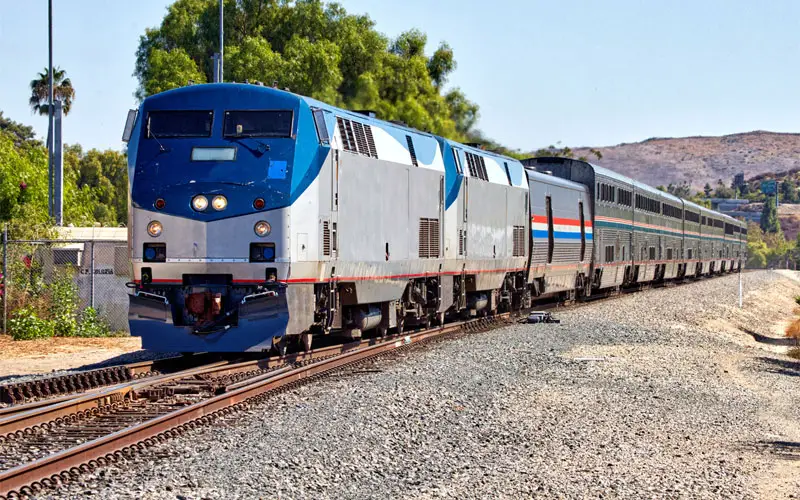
x: 21, y: 421
x: 20, y: 417
x: 33, y: 475
x: 49, y: 388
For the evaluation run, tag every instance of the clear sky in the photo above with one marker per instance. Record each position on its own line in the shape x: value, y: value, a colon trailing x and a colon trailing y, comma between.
x: 585, y: 73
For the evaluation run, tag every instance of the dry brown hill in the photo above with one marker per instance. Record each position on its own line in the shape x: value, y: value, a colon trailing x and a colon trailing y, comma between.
x: 698, y: 160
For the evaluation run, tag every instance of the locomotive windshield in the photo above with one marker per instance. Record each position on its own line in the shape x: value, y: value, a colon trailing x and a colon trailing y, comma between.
x: 263, y: 123
x: 175, y: 124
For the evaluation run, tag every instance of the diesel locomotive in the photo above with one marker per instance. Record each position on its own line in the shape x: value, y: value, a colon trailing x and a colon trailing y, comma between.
x: 260, y: 217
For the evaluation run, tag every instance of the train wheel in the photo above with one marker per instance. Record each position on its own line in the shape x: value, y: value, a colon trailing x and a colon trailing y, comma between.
x: 440, y: 319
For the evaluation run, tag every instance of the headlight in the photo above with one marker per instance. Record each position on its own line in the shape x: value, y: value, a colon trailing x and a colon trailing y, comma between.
x: 262, y: 228
x: 154, y: 229
x: 199, y: 202
x: 219, y: 203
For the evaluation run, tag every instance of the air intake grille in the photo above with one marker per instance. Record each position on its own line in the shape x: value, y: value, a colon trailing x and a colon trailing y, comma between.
x: 519, y: 241
x: 373, y: 152
x: 357, y: 137
x: 361, y: 138
x: 428, y: 238
x: 346, y: 131
x: 461, y: 241
x: 326, y: 238
x: 477, y: 166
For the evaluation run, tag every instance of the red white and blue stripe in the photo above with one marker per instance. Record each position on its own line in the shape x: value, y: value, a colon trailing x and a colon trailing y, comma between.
x: 563, y: 229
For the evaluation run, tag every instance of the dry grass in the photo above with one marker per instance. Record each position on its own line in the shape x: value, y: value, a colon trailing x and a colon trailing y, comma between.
x: 793, y: 330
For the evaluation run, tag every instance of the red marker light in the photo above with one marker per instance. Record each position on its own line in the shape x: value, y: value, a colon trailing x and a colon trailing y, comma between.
x: 160, y: 203
x: 259, y: 204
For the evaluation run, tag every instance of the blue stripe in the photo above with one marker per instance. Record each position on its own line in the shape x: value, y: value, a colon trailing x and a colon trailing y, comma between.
x: 560, y: 235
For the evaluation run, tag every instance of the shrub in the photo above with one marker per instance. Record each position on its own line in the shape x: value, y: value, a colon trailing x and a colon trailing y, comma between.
x: 64, y: 302
x: 26, y: 325
x: 793, y: 330
x: 92, y: 325
x: 797, y: 300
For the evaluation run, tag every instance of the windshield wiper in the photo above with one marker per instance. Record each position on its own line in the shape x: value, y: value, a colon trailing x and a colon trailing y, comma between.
x: 160, y: 146
x: 262, y: 147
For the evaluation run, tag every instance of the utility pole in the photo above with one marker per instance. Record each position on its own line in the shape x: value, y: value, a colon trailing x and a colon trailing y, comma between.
x: 50, y: 148
x: 221, y: 45
x: 58, y: 164
x: 5, y: 279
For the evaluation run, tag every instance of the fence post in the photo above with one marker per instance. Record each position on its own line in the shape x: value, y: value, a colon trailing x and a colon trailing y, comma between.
x: 91, y: 278
x: 5, y: 278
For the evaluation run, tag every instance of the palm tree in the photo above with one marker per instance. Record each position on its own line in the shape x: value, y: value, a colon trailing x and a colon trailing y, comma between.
x: 62, y: 90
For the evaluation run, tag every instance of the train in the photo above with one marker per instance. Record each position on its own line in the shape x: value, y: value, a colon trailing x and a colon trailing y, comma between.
x: 261, y: 220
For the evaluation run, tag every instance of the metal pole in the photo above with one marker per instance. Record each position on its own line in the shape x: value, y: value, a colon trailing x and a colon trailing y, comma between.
x: 50, y: 107
x: 740, y: 286
x: 215, y: 67
x: 221, y: 45
x: 58, y: 165
x: 5, y: 279
x: 91, y: 277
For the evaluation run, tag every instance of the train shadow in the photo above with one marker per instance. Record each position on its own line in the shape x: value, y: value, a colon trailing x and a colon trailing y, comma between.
x: 763, y: 339
x: 781, y: 366
x: 120, y: 359
x: 787, y: 450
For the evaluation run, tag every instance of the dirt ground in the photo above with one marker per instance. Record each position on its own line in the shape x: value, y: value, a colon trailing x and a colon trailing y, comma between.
x: 46, y: 355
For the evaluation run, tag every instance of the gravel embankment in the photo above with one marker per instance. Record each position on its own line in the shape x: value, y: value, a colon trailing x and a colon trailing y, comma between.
x: 656, y: 394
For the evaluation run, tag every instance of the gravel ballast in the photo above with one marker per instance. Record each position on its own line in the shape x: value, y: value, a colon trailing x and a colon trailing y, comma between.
x: 654, y: 394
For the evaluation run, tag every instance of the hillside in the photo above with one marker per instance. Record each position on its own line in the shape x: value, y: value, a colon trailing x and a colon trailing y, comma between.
x: 698, y: 160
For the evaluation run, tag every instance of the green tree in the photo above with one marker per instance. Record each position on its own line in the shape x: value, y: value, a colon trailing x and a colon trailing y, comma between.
x: 169, y: 69
x: 62, y: 91
x: 769, y: 217
x: 723, y: 191
x: 313, y: 48
x: 789, y: 191
x: 95, y: 186
x: 682, y: 190
x: 23, y: 134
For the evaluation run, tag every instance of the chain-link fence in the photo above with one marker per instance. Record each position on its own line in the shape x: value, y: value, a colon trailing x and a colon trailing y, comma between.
x: 62, y: 280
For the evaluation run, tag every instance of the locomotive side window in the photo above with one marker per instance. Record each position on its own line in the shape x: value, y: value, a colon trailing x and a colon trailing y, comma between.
x: 178, y: 124
x: 262, y: 123
x: 411, y: 151
x: 457, y: 161
x: 322, y: 128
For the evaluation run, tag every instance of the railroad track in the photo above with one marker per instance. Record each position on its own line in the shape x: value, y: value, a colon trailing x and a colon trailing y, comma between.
x: 14, y: 393
x: 51, y: 444
x: 48, y: 443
